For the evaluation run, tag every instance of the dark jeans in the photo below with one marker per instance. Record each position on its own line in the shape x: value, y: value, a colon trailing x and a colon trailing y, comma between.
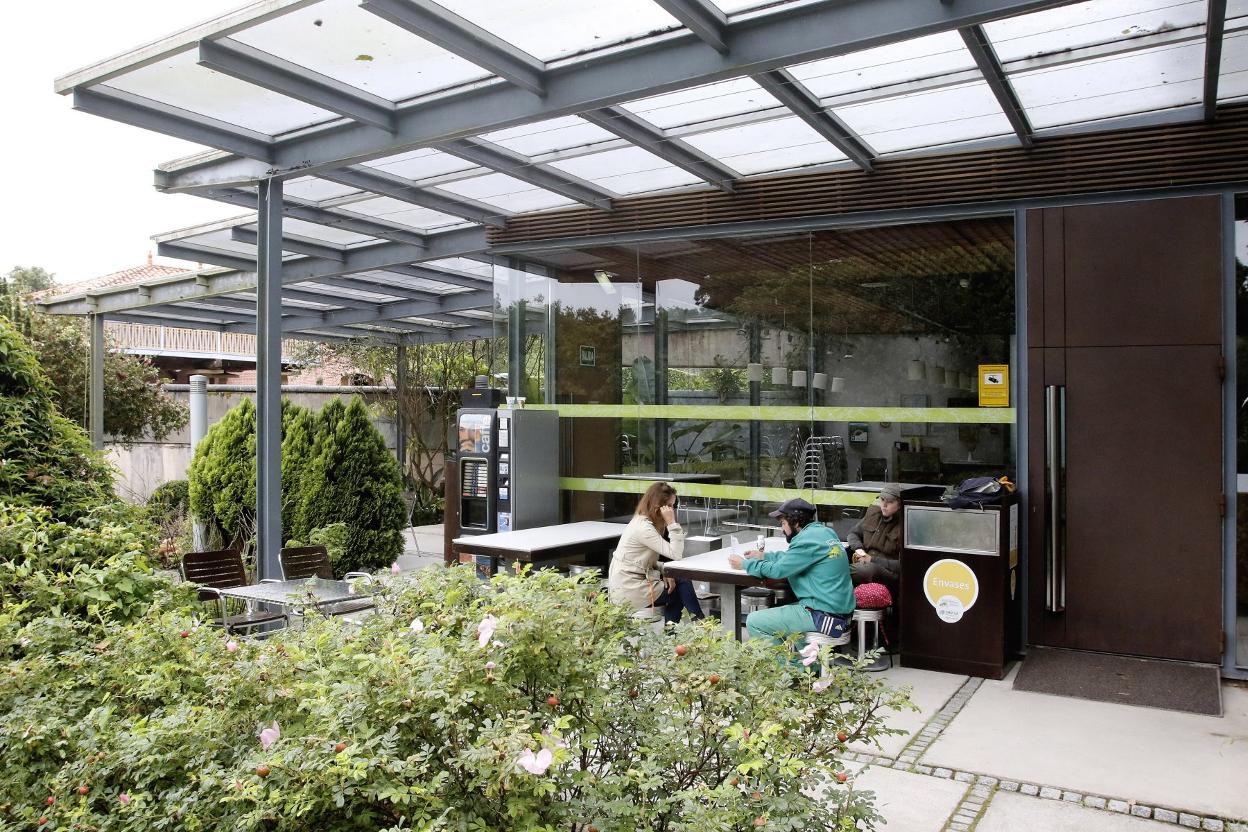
x: 683, y: 598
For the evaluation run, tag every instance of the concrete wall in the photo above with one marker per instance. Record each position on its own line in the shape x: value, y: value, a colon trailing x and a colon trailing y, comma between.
x: 145, y: 465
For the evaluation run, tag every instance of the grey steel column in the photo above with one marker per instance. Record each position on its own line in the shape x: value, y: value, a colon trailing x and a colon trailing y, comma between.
x: 549, y: 358
x: 95, y: 388
x: 199, y: 427
x: 660, y: 388
x: 756, y: 399
x: 269, y: 381
x: 400, y: 399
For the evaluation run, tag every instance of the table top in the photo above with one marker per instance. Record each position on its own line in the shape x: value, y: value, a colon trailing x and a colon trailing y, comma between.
x: 713, y: 566
x: 660, y: 476
x: 541, y: 538
x: 874, y: 486
x: 305, y: 592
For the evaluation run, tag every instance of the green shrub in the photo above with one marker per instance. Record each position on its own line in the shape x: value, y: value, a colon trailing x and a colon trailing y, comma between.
x: 406, y: 725
x: 45, y: 459
x: 96, y: 569
x: 222, y: 474
x: 353, y: 479
x: 335, y: 538
x: 299, y: 426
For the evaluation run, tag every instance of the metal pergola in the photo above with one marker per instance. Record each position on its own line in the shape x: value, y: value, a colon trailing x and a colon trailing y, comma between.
x: 374, y: 143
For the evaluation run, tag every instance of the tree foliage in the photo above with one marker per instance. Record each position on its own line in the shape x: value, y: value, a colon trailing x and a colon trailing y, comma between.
x: 354, y: 479
x: 45, y: 459
x: 299, y: 427
x: 134, y: 404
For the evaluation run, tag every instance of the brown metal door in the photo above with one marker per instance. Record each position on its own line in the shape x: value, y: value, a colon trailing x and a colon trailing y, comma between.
x: 1129, y: 326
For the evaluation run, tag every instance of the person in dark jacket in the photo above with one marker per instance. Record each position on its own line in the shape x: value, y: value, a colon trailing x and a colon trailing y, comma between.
x: 875, y: 542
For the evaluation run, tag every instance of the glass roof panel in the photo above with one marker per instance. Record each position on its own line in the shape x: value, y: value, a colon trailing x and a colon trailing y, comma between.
x: 628, y: 170
x: 421, y: 164
x: 324, y: 233
x: 1137, y: 82
x: 1081, y: 24
x: 507, y: 193
x: 481, y: 269
x: 313, y: 189
x: 404, y: 213
x: 339, y: 39
x: 182, y: 82
x: 925, y: 119
x: 767, y: 146
x: 551, y: 29
x: 897, y: 62
x: 698, y: 104
x: 552, y: 134
x: 1233, y: 82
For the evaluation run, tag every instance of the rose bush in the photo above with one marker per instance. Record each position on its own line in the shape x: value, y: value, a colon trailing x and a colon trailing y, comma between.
x: 529, y: 704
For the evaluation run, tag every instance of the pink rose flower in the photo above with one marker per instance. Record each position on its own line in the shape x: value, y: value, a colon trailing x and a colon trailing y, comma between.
x: 809, y: 654
x: 536, y: 763
x: 232, y: 646
x: 485, y: 630
x: 123, y: 798
x: 270, y: 735
x: 822, y: 684
x: 394, y: 568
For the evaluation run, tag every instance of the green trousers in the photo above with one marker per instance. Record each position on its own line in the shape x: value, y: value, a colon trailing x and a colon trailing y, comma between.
x: 777, y: 623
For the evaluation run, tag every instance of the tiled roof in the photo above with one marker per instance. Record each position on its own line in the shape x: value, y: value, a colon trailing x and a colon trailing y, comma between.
x: 138, y: 274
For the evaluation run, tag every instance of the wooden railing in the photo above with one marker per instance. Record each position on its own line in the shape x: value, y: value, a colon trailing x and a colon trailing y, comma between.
x: 178, y: 340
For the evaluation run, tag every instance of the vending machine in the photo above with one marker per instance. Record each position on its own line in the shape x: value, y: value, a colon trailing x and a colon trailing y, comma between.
x: 508, y: 461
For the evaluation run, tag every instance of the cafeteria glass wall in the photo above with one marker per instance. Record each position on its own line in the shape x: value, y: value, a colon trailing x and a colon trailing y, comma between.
x: 1240, y: 576
x: 750, y: 369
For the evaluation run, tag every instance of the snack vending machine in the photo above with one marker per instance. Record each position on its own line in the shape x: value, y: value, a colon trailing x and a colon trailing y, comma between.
x: 508, y: 463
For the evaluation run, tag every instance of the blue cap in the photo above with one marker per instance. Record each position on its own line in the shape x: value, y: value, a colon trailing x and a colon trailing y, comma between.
x: 793, y: 508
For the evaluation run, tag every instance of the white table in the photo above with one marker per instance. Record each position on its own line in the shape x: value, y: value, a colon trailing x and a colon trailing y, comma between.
x: 726, y: 582
x: 590, y: 537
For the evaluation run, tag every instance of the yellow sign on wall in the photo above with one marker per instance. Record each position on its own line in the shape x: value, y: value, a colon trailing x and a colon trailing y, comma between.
x: 994, y: 385
x: 951, y: 587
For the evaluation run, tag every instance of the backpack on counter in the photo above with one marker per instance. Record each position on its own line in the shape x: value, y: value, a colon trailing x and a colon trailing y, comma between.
x: 978, y: 492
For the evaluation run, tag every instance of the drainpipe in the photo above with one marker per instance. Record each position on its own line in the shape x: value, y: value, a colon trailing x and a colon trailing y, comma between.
x: 199, y: 427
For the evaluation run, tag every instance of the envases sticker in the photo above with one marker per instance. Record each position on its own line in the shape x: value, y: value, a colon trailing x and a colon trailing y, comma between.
x: 951, y: 588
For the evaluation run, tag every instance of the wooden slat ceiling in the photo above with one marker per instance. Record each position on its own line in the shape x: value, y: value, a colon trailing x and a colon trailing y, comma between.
x: 1188, y: 154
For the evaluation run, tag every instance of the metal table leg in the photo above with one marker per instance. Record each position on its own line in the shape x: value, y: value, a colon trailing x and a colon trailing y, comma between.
x: 729, y: 607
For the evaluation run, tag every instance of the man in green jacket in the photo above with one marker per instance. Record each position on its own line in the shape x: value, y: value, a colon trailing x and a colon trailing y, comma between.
x: 817, y: 569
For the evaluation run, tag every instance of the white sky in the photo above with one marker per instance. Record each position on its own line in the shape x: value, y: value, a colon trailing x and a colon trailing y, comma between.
x: 78, y: 198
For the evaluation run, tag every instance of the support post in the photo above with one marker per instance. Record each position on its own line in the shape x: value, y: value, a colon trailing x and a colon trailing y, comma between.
x: 95, y: 391
x: 269, y: 381
x: 400, y: 416
x: 516, y: 314
x: 199, y: 427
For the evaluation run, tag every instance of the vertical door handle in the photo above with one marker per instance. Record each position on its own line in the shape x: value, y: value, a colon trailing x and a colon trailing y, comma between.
x: 1055, y: 498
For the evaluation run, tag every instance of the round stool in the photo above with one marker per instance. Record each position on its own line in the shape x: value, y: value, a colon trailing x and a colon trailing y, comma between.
x: 863, y: 618
x: 654, y: 617
x: 821, y: 641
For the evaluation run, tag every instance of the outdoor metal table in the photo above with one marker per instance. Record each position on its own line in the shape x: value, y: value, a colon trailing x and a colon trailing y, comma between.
x: 299, y: 594
x: 593, y: 538
x: 725, y: 581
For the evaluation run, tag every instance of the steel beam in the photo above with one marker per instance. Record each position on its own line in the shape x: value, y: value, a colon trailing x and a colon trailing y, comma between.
x: 397, y: 309
x: 452, y: 278
x: 980, y: 47
x: 172, y: 121
x: 293, y: 243
x: 269, y: 382
x: 95, y: 388
x: 495, y: 157
x: 405, y: 190
x: 376, y: 287
x: 702, y: 18
x: 355, y: 223
x: 194, y: 252
x: 400, y: 399
x: 1215, y: 29
x: 327, y: 299
x: 641, y: 133
x: 460, y: 243
x: 257, y: 67
x: 783, y: 37
x: 467, y: 40
x: 806, y: 106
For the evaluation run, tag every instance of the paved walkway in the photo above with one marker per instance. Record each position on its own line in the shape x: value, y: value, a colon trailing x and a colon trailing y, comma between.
x: 981, y: 755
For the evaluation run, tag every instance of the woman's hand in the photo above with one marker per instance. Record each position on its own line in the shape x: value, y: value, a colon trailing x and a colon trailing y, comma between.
x: 668, y: 514
x: 861, y: 556
x: 670, y: 583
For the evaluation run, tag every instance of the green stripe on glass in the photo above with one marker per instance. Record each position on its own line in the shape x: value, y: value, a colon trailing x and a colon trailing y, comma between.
x: 777, y: 413
x: 742, y: 493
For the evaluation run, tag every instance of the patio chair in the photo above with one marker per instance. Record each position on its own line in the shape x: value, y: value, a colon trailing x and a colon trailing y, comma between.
x: 299, y: 562
x: 221, y: 569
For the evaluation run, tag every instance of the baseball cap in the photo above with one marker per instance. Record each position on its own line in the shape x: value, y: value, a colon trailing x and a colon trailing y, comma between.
x: 797, y: 506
